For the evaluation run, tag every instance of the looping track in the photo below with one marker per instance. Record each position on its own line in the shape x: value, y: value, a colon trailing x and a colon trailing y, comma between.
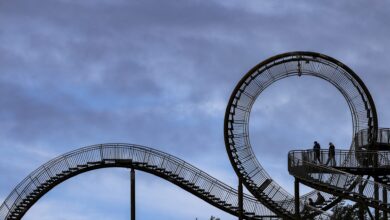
x: 269, y: 199
x: 236, y: 127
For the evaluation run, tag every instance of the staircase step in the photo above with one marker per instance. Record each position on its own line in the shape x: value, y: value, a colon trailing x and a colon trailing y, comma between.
x: 94, y: 163
x: 264, y: 184
x: 249, y: 213
x: 140, y: 163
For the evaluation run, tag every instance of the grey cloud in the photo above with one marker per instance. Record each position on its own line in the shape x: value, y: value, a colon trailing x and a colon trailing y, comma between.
x: 75, y: 73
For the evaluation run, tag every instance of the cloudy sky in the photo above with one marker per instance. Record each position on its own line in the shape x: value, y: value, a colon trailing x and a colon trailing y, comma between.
x: 159, y: 73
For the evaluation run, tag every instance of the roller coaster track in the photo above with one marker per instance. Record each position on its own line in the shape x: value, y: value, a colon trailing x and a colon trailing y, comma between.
x: 368, y: 155
x: 142, y: 158
x: 236, y: 128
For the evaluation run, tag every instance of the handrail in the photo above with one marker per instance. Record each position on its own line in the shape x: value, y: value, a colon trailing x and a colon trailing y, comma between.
x: 329, y: 179
x: 147, y: 159
x: 383, y: 137
x: 347, y: 158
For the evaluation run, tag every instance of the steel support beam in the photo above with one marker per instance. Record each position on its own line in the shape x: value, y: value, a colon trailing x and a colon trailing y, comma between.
x: 240, y: 200
x: 376, y: 196
x: 132, y: 192
x: 361, y: 206
x: 296, y: 197
x: 384, y: 196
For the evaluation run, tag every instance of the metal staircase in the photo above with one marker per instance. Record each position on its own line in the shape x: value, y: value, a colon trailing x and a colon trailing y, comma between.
x: 340, y: 183
x: 141, y: 158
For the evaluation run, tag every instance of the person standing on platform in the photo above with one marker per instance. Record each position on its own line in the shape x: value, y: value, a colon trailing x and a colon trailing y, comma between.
x: 317, y: 152
x: 331, y: 155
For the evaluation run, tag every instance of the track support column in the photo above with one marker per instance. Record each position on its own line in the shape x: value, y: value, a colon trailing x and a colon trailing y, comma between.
x: 240, y: 200
x: 296, y: 197
x: 361, y: 206
x: 384, y: 196
x: 376, y: 196
x: 132, y: 192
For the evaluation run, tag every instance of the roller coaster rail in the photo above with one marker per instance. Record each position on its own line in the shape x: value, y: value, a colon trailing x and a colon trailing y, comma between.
x: 142, y: 158
x: 360, y: 174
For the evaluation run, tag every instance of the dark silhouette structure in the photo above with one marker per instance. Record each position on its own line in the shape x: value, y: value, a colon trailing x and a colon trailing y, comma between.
x: 134, y: 157
x: 360, y: 174
x: 366, y: 144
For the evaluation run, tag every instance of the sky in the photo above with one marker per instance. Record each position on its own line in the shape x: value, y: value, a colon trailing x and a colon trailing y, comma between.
x: 159, y: 74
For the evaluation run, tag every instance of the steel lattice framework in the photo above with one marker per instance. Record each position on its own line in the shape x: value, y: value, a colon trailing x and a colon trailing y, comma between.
x: 236, y: 127
x: 343, y: 180
x: 158, y: 163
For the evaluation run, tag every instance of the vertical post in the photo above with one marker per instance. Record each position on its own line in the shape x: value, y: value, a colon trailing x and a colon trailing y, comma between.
x: 240, y: 200
x: 376, y: 196
x: 296, y: 197
x: 132, y: 191
x: 374, y: 159
x: 384, y: 196
x: 361, y: 207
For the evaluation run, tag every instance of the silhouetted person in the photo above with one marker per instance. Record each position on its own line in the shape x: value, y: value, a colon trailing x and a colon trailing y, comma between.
x: 331, y: 155
x: 320, y: 199
x: 311, y: 203
x: 317, y: 152
x: 308, y: 203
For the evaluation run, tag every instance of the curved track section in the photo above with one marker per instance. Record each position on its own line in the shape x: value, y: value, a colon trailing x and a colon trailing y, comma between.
x: 236, y: 124
x: 142, y: 158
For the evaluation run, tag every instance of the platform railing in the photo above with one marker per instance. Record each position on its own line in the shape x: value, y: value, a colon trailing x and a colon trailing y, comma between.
x: 345, y: 158
x: 333, y: 180
x: 384, y: 135
x: 362, y: 137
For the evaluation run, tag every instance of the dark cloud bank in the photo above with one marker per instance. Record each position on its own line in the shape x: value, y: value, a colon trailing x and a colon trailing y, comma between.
x: 159, y: 73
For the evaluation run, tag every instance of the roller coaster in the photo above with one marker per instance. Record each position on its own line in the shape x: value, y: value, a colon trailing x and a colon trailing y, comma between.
x: 360, y: 175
